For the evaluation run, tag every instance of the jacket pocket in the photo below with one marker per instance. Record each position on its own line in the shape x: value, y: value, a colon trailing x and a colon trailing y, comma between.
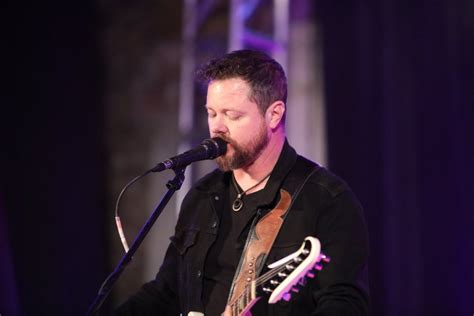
x: 183, y: 239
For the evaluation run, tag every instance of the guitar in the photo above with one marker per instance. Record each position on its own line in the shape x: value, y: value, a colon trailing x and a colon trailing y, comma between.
x: 284, y: 277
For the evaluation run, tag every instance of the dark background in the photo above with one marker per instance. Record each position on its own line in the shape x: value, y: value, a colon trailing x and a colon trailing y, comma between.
x: 400, y: 114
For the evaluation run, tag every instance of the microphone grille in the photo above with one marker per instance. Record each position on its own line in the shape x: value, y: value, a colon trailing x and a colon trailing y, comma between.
x: 217, y: 146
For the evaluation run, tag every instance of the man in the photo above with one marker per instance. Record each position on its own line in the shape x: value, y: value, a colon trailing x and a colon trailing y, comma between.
x: 246, y: 105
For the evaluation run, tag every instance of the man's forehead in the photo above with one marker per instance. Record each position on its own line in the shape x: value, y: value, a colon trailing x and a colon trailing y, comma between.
x: 230, y: 84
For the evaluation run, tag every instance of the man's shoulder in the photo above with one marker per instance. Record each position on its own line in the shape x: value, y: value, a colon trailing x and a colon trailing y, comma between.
x: 323, y: 177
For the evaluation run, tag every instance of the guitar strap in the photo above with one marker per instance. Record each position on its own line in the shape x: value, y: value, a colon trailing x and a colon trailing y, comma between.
x: 264, y: 232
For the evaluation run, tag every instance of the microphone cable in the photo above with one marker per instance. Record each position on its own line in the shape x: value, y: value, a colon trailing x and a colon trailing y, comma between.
x: 118, y: 223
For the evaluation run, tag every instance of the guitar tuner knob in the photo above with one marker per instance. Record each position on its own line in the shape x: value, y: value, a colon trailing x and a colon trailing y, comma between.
x: 282, y: 274
x: 287, y: 296
x: 295, y: 289
x: 310, y: 275
x: 274, y: 282
x: 324, y: 258
x: 305, y: 251
x: 318, y: 267
x: 297, y: 260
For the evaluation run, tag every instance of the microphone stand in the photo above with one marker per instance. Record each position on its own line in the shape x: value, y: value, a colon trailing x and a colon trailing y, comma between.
x: 172, y: 185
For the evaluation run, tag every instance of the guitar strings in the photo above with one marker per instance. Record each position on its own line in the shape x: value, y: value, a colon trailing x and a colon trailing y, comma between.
x: 261, y: 280
x: 264, y: 278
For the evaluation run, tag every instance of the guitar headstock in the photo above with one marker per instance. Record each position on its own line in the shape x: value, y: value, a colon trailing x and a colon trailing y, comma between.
x: 288, y: 274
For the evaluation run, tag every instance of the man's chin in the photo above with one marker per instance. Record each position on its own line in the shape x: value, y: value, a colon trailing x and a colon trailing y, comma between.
x: 226, y: 161
x: 223, y: 163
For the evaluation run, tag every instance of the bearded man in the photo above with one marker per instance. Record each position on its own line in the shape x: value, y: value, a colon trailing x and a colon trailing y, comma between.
x: 246, y: 106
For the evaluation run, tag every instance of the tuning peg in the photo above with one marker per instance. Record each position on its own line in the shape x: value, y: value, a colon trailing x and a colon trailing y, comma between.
x: 266, y: 289
x: 289, y: 267
x: 295, y: 289
x: 310, y: 274
x: 318, y: 267
x: 282, y: 274
x: 324, y: 258
x: 287, y: 296
x: 274, y: 282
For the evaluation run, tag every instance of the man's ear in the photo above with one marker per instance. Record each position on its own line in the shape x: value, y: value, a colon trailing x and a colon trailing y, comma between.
x: 274, y: 114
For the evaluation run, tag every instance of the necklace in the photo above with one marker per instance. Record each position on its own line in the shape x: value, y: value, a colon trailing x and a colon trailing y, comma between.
x: 238, y: 202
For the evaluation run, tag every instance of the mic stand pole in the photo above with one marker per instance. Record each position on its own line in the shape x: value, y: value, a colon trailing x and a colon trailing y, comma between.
x: 172, y: 185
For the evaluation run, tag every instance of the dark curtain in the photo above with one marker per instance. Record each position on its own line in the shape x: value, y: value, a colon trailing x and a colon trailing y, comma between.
x: 53, y: 254
x: 400, y: 111
x: 8, y: 291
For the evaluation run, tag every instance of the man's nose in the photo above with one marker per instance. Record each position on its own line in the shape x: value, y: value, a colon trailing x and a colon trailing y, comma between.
x: 217, y: 126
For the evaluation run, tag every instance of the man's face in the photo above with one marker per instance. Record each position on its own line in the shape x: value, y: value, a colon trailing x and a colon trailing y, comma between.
x: 236, y: 119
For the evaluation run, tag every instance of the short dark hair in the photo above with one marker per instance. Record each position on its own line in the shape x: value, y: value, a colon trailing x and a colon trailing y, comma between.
x: 265, y: 76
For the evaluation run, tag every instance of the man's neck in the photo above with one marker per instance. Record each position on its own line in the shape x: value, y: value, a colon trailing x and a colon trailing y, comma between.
x: 262, y: 166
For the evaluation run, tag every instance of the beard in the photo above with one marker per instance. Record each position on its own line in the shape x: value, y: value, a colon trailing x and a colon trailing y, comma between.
x: 244, y: 154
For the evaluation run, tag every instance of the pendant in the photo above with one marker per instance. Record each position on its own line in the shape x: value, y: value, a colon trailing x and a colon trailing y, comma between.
x: 237, y: 205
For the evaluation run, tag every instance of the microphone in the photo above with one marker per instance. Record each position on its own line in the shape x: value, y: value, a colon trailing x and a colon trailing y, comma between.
x: 209, y: 149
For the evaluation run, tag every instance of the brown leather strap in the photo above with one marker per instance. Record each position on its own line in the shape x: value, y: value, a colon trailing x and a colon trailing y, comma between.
x: 258, y: 245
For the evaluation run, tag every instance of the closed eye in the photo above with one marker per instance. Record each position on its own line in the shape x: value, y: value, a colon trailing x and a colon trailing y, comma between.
x: 211, y: 113
x: 233, y: 115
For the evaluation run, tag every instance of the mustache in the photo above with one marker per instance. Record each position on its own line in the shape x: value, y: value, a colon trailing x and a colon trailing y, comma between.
x: 227, y: 139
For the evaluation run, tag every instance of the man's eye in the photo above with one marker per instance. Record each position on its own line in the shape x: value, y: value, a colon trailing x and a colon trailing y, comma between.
x: 233, y: 115
x: 211, y: 114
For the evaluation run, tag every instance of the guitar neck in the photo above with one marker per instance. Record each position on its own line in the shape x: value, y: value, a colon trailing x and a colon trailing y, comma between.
x: 245, y: 301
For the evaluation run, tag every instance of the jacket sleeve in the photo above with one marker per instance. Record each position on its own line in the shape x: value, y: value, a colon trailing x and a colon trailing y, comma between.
x: 344, y: 288
x: 157, y: 297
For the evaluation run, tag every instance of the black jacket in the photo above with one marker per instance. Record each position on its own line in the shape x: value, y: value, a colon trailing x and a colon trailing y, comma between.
x: 325, y: 208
